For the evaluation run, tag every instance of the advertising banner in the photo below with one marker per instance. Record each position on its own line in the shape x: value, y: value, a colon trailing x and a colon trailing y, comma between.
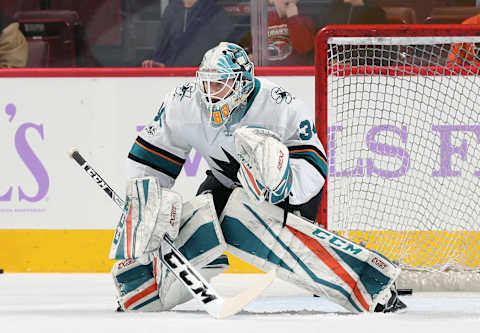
x: 53, y: 218
x: 41, y: 119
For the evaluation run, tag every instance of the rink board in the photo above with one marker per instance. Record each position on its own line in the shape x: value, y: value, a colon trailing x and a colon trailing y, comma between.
x: 87, y: 250
x: 52, y: 218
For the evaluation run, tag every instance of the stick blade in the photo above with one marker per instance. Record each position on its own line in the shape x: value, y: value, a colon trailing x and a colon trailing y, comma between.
x: 235, y: 304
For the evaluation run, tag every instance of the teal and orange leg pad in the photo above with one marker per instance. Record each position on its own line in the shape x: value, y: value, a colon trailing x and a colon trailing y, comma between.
x: 305, y: 254
x: 147, y: 285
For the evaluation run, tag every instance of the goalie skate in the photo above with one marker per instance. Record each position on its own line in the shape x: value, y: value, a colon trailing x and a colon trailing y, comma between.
x: 393, y: 304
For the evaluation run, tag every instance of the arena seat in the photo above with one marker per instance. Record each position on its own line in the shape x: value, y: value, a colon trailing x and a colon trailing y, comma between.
x: 422, y: 8
x: 38, y: 53
x: 400, y: 15
x: 101, y: 19
x: 57, y: 28
x: 451, y: 15
x: 466, y: 11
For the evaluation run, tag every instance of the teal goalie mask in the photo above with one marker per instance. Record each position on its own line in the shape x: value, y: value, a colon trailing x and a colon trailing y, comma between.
x: 225, y: 79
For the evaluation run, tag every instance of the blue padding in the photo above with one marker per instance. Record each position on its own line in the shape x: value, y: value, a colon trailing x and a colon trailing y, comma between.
x: 120, y: 248
x: 372, y: 279
x: 312, y: 275
x: 145, y: 189
x: 204, y: 239
x: 236, y: 234
x: 220, y: 261
x: 134, y: 278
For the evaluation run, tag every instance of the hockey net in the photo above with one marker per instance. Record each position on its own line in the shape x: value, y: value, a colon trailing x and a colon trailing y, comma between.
x: 398, y: 107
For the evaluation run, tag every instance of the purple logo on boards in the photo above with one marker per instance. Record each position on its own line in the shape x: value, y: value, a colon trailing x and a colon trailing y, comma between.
x: 447, y: 149
x: 31, y: 161
x: 366, y: 167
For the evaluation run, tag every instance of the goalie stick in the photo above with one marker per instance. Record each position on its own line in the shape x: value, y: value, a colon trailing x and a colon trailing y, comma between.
x: 201, y: 290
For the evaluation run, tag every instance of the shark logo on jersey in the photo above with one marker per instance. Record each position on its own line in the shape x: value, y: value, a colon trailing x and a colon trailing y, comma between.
x: 185, y: 90
x: 228, y: 169
x: 280, y: 95
x: 153, y: 128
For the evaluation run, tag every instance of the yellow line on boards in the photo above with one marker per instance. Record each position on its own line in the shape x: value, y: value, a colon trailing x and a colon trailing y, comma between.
x: 86, y: 251
x: 68, y: 251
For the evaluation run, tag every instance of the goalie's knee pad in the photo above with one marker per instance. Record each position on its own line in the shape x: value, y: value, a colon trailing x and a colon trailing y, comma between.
x: 151, y: 286
x: 303, y: 253
x: 136, y: 285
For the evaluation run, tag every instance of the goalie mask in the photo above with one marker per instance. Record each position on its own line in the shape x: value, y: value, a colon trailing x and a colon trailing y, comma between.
x: 225, y: 79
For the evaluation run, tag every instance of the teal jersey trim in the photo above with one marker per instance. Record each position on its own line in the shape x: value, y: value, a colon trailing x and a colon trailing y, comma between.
x: 202, y: 240
x: 155, y: 161
x: 302, y: 264
x: 373, y: 280
x: 311, y: 157
x: 254, y: 95
x: 237, y: 235
x: 238, y: 115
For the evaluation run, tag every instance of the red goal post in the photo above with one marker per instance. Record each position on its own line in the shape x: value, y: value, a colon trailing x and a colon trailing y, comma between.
x: 397, y: 112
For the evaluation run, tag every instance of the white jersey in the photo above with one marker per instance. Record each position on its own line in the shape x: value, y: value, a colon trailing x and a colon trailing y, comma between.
x: 182, y: 123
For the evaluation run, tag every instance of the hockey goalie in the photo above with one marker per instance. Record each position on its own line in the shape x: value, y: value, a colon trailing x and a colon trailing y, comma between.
x: 266, y: 172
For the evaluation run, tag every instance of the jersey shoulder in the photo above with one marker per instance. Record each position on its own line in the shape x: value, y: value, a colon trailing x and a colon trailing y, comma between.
x: 182, y: 102
x: 277, y: 96
x: 280, y: 103
x: 279, y: 110
x: 182, y: 95
x: 273, y: 92
x: 179, y: 104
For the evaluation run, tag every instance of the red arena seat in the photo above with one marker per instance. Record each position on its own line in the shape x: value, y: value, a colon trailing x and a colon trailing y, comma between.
x: 101, y: 19
x: 38, y: 53
x: 57, y: 28
x: 422, y: 8
x: 451, y: 15
x: 400, y: 15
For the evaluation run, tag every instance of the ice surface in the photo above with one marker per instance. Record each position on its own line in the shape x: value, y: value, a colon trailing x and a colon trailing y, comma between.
x: 84, y: 303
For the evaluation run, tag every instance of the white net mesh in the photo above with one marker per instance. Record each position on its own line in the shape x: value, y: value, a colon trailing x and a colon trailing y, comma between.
x: 404, y: 148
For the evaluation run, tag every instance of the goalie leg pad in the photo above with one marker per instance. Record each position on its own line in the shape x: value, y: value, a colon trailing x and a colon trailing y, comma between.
x: 136, y: 286
x: 304, y: 254
x: 151, y: 286
x: 138, y: 289
x: 150, y: 212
